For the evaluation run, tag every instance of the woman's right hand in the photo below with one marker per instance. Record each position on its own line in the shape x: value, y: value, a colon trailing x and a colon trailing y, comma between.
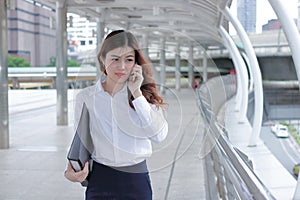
x: 80, y: 176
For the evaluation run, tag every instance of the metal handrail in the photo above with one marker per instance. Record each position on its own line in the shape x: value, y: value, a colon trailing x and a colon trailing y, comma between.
x: 78, y: 77
x: 233, y: 170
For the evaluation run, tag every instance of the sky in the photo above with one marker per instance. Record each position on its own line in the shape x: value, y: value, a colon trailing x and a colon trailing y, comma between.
x: 264, y: 11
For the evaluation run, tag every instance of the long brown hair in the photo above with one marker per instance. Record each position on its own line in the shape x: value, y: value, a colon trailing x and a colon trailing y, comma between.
x: 121, y: 38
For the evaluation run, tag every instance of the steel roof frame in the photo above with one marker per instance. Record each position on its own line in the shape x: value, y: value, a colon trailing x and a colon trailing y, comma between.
x: 178, y: 20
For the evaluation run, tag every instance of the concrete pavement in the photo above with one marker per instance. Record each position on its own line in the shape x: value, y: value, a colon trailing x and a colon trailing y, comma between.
x: 32, y: 168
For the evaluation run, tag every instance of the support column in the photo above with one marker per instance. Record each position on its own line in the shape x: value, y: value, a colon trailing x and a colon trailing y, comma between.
x: 61, y: 63
x: 242, y: 76
x: 100, y: 37
x: 191, y: 65
x: 290, y: 30
x: 258, y: 89
x: 177, y: 68
x: 145, y: 43
x: 204, y: 66
x: 4, y: 125
x: 163, y: 65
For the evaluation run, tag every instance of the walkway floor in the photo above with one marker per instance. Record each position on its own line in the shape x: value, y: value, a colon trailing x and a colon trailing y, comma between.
x: 32, y: 168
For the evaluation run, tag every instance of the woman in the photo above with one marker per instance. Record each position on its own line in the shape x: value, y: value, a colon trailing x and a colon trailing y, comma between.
x: 126, y: 115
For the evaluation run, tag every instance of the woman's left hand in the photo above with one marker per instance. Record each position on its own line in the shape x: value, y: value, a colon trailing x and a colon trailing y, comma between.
x: 135, y: 81
x: 80, y: 176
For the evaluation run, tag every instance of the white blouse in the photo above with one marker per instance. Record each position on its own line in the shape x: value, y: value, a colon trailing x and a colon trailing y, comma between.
x: 121, y: 135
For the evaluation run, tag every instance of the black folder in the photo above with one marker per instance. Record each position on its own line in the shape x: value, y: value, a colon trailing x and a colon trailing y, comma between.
x: 82, y: 145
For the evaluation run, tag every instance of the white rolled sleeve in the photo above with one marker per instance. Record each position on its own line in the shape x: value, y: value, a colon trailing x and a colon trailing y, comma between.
x: 152, y: 119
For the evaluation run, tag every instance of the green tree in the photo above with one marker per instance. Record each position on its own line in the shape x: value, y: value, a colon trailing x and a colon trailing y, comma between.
x: 71, y: 63
x: 52, y: 62
x: 17, y: 62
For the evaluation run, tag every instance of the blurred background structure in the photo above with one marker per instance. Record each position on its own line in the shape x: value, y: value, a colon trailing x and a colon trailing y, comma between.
x: 244, y: 72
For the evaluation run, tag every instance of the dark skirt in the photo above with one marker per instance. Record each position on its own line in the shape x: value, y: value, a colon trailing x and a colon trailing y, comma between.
x: 125, y: 183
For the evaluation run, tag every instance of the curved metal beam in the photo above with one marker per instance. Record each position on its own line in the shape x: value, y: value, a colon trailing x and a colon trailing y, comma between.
x: 290, y: 30
x: 242, y: 77
x: 251, y: 82
x: 258, y: 90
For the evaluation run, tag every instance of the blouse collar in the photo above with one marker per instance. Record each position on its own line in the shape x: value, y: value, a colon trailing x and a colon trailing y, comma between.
x: 99, y: 87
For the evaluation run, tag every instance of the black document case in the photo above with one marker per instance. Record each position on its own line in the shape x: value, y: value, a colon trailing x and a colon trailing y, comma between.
x: 82, y: 145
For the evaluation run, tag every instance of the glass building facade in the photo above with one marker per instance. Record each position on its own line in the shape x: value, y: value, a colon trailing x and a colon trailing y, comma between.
x: 246, y: 13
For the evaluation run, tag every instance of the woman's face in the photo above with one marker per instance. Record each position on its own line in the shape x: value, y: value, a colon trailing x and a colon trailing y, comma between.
x: 119, y: 63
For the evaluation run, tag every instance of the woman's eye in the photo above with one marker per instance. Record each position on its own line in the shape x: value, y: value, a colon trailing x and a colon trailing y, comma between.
x: 129, y: 60
x: 115, y: 59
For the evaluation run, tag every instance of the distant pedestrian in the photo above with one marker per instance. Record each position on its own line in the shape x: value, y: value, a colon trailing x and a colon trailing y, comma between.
x: 197, y: 82
x: 126, y: 115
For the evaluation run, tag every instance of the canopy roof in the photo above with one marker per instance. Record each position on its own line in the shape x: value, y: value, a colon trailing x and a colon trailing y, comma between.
x: 176, y: 20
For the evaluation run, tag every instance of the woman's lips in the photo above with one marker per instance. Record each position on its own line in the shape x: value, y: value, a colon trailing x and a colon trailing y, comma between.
x: 120, y: 74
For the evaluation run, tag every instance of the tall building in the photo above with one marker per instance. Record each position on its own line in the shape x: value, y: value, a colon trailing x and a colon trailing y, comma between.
x: 31, y: 32
x: 81, y: 35
x: 246, y: 13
